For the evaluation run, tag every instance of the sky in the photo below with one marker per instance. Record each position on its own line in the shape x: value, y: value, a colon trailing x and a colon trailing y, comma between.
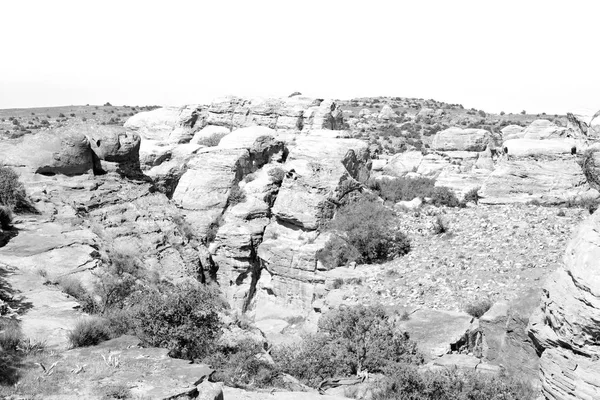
x: 538, y: 56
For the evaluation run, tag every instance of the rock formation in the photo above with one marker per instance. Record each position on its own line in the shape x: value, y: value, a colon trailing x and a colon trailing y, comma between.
x: 565, y: 327
x: 541, y: 166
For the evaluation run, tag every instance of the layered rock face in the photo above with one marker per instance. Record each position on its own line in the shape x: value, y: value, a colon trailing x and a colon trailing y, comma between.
x: 540, y: 166
x: 565, y: 327
x: 319, y: 170
x: 260, y: 194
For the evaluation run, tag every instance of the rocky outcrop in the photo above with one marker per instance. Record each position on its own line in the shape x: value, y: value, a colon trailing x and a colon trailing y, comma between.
x: 387, y: 113
x: 294, y: 113
x: 543, y: 129
x: 505, y: 338
x: 320, y: 172
x: 61, y: 151
x: 541, y: 167
x: 512, y: 132
x: 457, y: 139
x: 542, y: 148
x: 402, y: 163
x: 551, y: 181
x: 565, y: 327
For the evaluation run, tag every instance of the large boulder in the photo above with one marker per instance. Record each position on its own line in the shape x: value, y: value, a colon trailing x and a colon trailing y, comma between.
x: 60, y: 151
x: 565, y: 328
x: 403, y: 163
x: 167, y: 124
x: 534, y: 147
x: 512, y: 132
x: 551, y: 181
x: 505, y: 338
x: 114, y: 148
x: 463, y: 140
x: 543, y: 129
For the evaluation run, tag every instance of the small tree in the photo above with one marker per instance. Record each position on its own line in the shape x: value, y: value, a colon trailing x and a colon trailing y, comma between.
x: 182, y: 318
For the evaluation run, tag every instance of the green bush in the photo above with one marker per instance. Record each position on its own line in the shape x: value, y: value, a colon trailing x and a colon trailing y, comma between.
x: 370, y: 229
x: 479, y: 307
x: 5, y: 217
x: 118, y: 279
x: 243, y: 365
x: 10, y: 360
x: 406, y: 189
x: 180, y: 317
x: 236, y: 196
x: 405, y: 382
x: 212, y: 140
x: 443, y: 196
x: 439, y: 225
x: 472, y: 196
x: 12, y: 191
x: 89, y: 332
x: 277, y: 174
x: 348, y: 341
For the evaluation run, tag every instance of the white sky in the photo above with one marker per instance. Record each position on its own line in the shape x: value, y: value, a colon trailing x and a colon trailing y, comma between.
x: 541, y: 56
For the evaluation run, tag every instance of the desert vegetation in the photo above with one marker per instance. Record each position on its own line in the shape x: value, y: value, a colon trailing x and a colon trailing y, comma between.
x: 365, y: 231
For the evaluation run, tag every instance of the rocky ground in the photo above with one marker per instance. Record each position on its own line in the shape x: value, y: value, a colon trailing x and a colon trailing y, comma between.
x: 495, y: 252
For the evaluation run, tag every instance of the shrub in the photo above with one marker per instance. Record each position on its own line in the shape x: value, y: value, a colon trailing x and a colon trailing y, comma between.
x: 236, y: 196
x: 338, y: 251
x: 443, y: 196
x: 89, y: 332
x: 180, y: 317
x: 243, y: 365
x: 479, y: 307
x: 405, y: 382
x: 116, y: 391
x: 472, y: 196
x: 277, y: 174
x: 117, y: 280
x: 439, y: 225
x: 370, y: 228
x: 10, y: 335
x: 5, y: 217
x: 212, y: 140
x: 348, y: 341
x: 311, y: 361
x: 12, y: 191
x: 10, y: 338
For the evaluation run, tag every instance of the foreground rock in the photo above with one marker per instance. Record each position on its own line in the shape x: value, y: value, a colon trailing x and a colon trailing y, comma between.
x: 565, y: 327
x: 148, y: 372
